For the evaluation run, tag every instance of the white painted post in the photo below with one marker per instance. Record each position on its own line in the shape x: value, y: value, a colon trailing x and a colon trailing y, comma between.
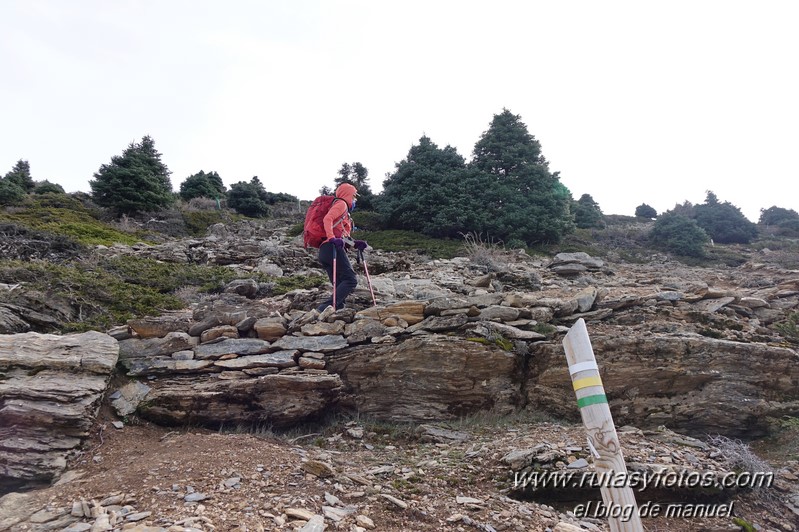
x: 598, y: 422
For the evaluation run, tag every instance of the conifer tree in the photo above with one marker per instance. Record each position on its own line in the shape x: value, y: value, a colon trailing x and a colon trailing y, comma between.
x: 202, y: 185
x: 20, y: 175
x: 529, y: 202
x: 357, y: 174
x: 723, y: 221
x: 136, y: 181
x: 587, y: 213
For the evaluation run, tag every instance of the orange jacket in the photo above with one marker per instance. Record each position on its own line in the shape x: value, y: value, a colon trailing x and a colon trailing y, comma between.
x: 337, y: 221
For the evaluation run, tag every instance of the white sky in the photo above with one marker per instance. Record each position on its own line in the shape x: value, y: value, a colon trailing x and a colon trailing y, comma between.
x: 632, y: 102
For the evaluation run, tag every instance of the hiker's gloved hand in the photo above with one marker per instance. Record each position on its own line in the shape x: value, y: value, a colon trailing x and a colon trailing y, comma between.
x: 338, y: 242
x: 360, y: 245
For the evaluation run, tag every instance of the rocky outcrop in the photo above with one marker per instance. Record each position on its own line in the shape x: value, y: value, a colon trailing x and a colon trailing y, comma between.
x: 24, y: 310
x: 690, y: 383
x: 430, y: 377
x: 568, y: 264
x: 244, y: 242
x: 50, y: 390
x: 453, y: 355
x: 680, y: 347
x: 268, y: 400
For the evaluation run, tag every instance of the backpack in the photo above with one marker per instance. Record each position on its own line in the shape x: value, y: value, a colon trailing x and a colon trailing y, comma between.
x: 314, y: 228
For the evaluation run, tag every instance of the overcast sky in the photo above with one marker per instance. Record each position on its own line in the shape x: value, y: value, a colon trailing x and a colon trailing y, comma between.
x: 633, y: 102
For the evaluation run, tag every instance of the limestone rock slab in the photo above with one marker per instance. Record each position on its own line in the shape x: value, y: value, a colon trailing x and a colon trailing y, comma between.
x: 280, y: 400
x: 691, y: 383
x: 430, y: 378
x: 50, y: 391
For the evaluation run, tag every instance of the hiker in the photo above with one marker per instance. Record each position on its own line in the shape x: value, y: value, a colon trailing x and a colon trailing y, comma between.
x: 338, y: 225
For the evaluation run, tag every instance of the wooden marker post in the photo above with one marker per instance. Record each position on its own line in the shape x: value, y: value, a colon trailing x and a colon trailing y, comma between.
x: 622, y: 510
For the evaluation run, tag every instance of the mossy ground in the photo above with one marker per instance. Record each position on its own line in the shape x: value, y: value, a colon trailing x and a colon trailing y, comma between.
x: 109, y: 291
x: 397, y: 240
x: 60, y: 214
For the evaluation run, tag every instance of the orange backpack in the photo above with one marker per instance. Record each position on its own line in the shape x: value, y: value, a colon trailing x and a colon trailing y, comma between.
x: 314, y: 228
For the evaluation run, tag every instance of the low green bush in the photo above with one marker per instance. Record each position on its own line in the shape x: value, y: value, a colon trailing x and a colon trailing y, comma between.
x: 60, y: 214
x: 295, y: 230
x: 789, y: 328
x: 197, y: 222
x: 679, y: 234
x: 399, y: 240
x: 101, y: 298
x: 367, y: 220
x: 789, y: 228
x: 46, y: 187
x: 10, y: 193
x: 110, y: 291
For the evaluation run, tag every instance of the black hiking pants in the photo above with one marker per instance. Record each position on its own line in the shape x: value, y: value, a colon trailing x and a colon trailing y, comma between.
x: 346, y: 281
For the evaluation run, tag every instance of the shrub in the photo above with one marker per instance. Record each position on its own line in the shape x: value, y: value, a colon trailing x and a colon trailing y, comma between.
x: 789, y: 328
x: 22, y: 243
x: 485, y: 253
x: 249, y: 199
x: 515, y: 243
x: 295, y: 230
x: 679, y: 234
x: 203, y: 204
x: 60, y: 214
x: 776, y: 215
x: 544, y: 328
x: 740, y: 457
x: 202, y: 185
x: 197, y: 222
x: 56, y: 200
x: 45, y: 187
x: 789, y: 228
x: 10, y: 193
x: 104, y: 299
x: 587, y: 213
x: 396, y: 240
x: 645, y: 211
x: 367, y: 220
x: 724, y: 222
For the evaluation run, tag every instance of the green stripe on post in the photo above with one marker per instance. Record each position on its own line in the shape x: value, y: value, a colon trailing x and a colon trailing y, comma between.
x: 592, y: 400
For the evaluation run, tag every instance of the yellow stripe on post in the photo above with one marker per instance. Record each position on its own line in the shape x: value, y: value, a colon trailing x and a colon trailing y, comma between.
x: 579, y: 384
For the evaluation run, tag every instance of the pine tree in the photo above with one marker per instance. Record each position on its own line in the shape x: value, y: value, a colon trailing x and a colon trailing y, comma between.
x: 137, y: 181
x: 432, y: 192
x: 202, y: 185
x: 10, y: 192
x: 528, y: 202
x: 679, y: 234
x: 587, y: 213
x: 357, y: 174
x: 646, y: 211
x: 723, y: 221
x: 249, y: 199
x: 20, y: 175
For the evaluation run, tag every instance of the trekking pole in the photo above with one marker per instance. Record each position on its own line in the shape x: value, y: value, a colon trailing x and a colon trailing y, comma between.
x: 366, y: 271
x: 334, y: 275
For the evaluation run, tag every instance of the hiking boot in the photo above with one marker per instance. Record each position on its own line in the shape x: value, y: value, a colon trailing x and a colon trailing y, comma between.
x: 309, y: 317
x: 329, y: 311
